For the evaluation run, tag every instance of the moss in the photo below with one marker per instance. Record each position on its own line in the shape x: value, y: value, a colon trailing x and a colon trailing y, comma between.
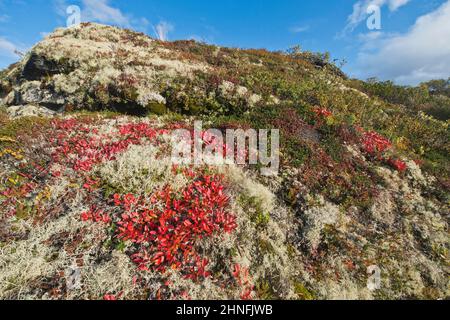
x: 334, y: 147
x: 106, y: 114
x: 291, y: 251
x: 431, y: 293
x: 297, y: 151
x: 265, y: 247
x: 264, y: 290
x: 157, y: 108
x: 121, y: 246
x: 23, y: 211
x: 254, y: 207
x: 185, y: 98
x: 261, y: 219
x: 440, y: 251
x: 13, y: 128
x: 302, y: 292
x: 3, y: 116
x: 110, y: 190
x: 332, y: 237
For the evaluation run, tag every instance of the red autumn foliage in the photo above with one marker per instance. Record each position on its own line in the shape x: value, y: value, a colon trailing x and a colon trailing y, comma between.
x: 322, y: 112
x: 397, y: 164
x: 222, y: 149
x: 81, y: 147
x: 112, y: 297
x: 375, y: 144
x: 95, y: 216
x: 241, y: 275
x: 167, y: 225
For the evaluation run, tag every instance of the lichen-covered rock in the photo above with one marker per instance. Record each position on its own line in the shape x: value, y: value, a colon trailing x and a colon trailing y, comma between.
x: 29, y: 111
x: 100, y: 67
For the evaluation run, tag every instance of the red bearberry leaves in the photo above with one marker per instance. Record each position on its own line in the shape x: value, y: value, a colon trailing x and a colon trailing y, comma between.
x: 167, y: 225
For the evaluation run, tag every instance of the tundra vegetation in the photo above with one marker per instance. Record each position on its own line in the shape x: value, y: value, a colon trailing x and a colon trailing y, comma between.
x: 91, y: 206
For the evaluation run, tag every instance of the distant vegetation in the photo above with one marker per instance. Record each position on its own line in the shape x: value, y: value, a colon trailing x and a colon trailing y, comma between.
x: 431, y: 97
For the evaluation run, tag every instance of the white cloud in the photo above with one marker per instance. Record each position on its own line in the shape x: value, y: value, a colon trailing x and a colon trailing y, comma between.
x: 101, y: 11
x: 371, y: 36
x: 60, y: 7
x: 371, y: 40
x: 421, y: 54
x: 359, y: 13
x: 8, y: 49
x: 395, y: 4
x: 299, y: 29
x: 4, y: 18
x: 162, y: 30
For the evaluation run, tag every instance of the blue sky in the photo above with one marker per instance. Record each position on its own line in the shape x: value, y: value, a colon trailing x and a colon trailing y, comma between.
x: 411, y: 46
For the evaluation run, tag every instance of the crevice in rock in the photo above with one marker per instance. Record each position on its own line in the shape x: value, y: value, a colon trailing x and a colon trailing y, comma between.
x: 38, y: 66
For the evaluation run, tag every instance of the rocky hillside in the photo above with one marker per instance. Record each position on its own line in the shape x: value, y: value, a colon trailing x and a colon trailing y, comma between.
x: 91, y: 206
